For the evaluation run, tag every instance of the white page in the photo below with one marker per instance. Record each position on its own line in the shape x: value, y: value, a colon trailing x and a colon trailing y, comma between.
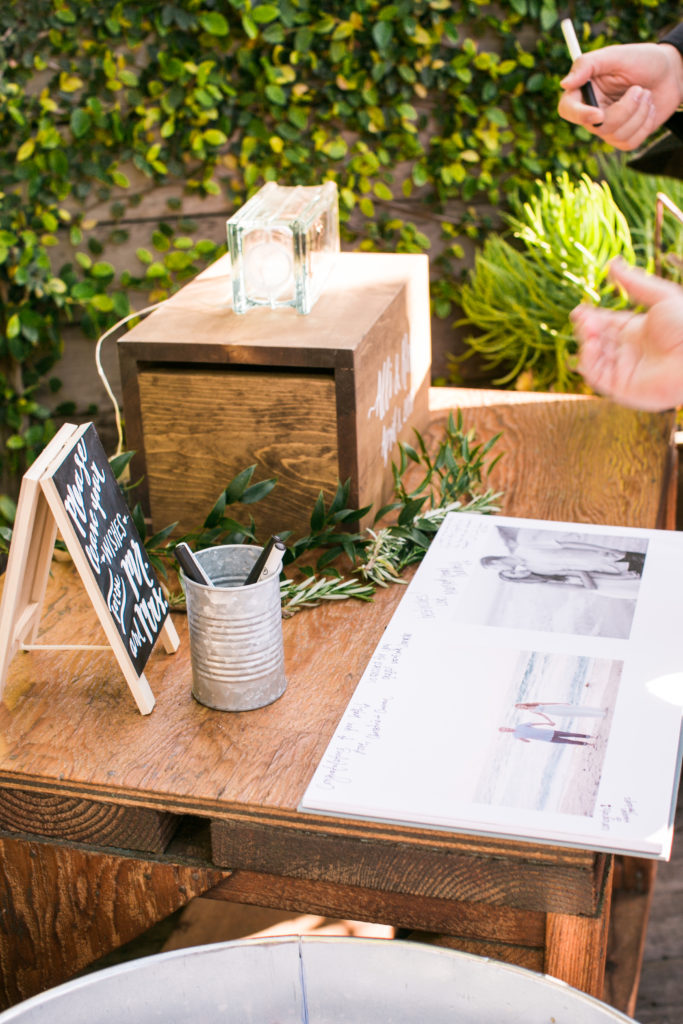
x: 584, y: 626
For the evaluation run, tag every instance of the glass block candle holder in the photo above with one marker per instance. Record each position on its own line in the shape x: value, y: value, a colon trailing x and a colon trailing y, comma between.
x: 283, y: 243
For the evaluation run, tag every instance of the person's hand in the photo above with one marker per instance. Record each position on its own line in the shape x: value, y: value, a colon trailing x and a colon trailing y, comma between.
x: 638, y: 86
x: 635, y: 358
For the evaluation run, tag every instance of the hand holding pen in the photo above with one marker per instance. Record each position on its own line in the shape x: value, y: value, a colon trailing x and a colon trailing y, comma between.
x: 639, y: 85
x: 569, y: 33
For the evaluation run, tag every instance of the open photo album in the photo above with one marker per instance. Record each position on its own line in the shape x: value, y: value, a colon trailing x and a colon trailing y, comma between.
x: 528, y: 686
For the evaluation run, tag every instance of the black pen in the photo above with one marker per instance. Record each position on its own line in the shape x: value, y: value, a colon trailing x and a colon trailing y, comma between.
x: 268, y: 563
x: 572, y: 42
x: 190, y: 566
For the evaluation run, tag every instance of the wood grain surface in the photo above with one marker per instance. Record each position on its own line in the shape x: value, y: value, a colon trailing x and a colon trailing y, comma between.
x: 229, y: 419
x: 570, y: 457
x: 61, y: 908
x: 68, y: 730
x: 85, y: 821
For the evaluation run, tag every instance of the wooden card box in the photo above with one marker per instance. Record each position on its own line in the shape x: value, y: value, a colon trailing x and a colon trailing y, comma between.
x: 310, y: 399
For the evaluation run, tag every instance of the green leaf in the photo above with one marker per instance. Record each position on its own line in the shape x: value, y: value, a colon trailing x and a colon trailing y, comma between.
x: 318, y: 514
x: 276, y: 94
x: 213, y: 23
x: 26, y: 150
x: 13, y: 326
x: 80, y: 122
x: 258, y: 491
x: 238, y: 485
x: 264, y: 13
x: 102, y: 269
x: 8, y: 508
x: 158, y: 539
x: 216, y: 512
x: 139, y: 520
x: 382, y: 33
x: 249, y: 26
x: 118, y: 463
x: 215, y: 137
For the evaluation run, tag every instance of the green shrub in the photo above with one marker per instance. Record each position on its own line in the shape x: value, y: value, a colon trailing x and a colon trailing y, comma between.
x: 518, y: 297
x: 421, y: 110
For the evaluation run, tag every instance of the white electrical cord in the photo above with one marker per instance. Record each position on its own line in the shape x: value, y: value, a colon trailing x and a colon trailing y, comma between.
x: 103, y: 376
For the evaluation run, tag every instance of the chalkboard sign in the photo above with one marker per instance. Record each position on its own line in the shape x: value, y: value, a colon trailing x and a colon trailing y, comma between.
x: 74, y: 478
x: 112, y: 546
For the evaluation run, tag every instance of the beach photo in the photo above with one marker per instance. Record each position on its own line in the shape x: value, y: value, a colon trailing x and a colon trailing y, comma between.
x: 561, y: 581
x: 546, y: 750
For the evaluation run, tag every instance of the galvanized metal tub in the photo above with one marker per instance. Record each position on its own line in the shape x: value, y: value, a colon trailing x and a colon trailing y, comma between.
x: 313, y: 980
x: 236, y: 645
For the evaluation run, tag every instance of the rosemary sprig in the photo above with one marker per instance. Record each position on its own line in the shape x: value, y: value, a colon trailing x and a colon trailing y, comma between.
x: 313, y: 590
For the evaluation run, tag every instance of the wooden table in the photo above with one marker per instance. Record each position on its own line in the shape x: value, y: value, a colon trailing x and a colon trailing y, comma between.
x: 110, y: 820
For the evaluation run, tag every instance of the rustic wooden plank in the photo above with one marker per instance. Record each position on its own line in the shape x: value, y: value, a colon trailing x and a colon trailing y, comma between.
x: 520, y: 956
x: 62, y: 908
x: 424, y: 914
x: 576, y: 947
x: 86, y: 821
x: 424, y: 868
x: 570, y: 457
x: 628, y: 922
x: 283, y: 423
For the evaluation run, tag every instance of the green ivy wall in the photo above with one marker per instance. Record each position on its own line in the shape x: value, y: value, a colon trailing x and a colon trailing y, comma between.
x: 129, y: 131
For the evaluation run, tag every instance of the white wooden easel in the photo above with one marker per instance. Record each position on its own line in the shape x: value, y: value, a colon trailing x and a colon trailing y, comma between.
x: 40, y: 513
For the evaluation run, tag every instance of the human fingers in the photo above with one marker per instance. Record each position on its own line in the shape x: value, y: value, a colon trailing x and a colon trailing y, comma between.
x: 630, y: 120
x: 571, y: 107
x: 599, y: 333
x: 613, y: 69
x: 643, y: 288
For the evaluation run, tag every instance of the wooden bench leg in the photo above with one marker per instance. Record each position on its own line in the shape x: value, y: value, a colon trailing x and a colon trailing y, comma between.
x: 576, y: 948
x: 62, y: 908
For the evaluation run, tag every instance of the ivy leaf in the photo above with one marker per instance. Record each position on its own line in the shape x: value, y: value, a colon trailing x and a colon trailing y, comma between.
x: 80, y: 122
x: 213, y: 23
x: 264, y: 13
x: 215, y: 137
x: 382, y: 33
x: 276, y: 94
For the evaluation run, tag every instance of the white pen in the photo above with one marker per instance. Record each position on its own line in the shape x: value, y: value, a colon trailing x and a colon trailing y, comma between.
x: 268, y: 563
x: 569, y: 33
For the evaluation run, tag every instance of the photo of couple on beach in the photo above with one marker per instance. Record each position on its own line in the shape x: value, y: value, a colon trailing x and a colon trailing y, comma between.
x: 560, y: 581
x: 548, y: 746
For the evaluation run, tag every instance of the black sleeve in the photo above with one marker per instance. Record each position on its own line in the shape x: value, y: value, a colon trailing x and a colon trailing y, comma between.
x: 675, y: 38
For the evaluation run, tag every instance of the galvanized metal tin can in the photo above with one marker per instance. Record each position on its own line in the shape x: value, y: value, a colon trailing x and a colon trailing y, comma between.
x: 236, y: 645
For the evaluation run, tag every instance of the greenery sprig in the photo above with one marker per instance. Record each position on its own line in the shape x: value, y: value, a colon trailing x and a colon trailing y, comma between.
x: 449, y: 480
